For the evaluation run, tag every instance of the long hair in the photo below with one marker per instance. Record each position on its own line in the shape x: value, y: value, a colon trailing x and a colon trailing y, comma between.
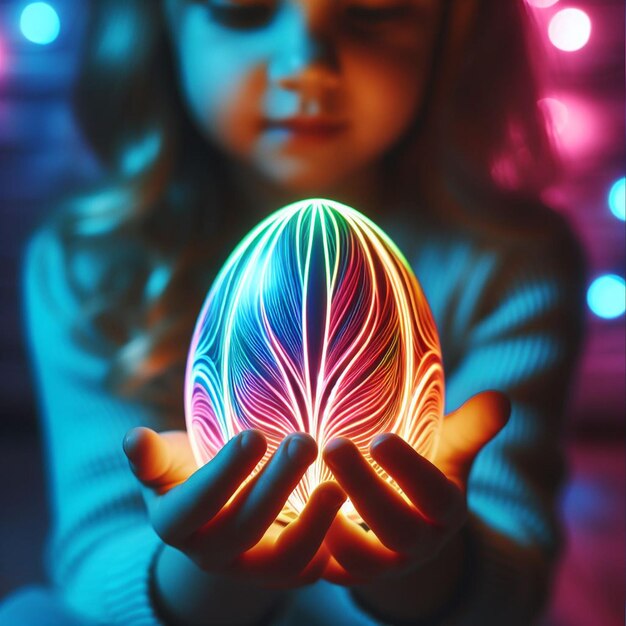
x: 155, y: 231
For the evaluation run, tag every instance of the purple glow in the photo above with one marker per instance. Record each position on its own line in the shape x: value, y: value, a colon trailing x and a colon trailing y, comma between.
x: 3, y: 58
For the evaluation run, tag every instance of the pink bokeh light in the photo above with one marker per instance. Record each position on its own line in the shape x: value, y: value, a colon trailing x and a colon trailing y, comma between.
x: 541, y: 4
x: 556, y: 114
x: 574, y: 123
x: 569, y: 30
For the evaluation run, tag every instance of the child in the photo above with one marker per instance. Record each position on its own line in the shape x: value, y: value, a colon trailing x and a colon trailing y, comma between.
x: 206, y: 116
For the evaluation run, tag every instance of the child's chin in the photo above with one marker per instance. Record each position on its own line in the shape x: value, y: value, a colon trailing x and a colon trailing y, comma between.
x: 303, y: 183
x: 301, y: 173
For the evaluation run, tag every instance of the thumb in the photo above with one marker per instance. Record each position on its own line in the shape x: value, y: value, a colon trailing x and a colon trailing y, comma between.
x: 149, y: 457
x: 467, y: 430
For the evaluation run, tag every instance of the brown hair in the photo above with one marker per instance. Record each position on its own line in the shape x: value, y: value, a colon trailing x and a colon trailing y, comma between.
x: 163, y: 219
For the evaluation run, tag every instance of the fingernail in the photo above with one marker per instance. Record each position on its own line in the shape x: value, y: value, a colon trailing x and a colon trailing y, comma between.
x: 380, y: 441
x: 335, y: 449
x: 130, y: 440
x: 251, y: 440
x: 298, y: 448
x: 333, y: 499
x: 246, y: 439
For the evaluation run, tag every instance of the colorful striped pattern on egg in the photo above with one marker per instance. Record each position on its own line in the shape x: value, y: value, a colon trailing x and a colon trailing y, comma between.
x: 316, y: 323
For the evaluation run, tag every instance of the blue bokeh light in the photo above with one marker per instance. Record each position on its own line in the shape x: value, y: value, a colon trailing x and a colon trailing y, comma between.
x: 617, y: 198
x: 141, y: 154
x: 40, y: 23
x: 606, y: 296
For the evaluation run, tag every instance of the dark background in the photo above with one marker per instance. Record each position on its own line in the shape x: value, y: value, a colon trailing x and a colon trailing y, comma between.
x: 42, y: 156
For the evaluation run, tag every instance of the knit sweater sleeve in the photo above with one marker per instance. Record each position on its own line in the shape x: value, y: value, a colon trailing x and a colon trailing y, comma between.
x: 511, y: 321
x: 101, y: 544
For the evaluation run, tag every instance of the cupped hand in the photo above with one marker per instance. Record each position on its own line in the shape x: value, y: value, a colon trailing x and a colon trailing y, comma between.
x: 404, y: 535
x: 194, y: 510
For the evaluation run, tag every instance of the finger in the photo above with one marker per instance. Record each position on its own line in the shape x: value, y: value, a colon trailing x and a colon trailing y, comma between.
x: 183, y: 462
x: 393, y: 520
x: 159, y: 460
x: 438, y: 499
x: 315, y: 569
x: 359, y: 552
x: 337, y: 574
x: 245, y: 520
x: 299, y: 542
x: 149, y: 457
x: 182, y: 511
x: 467, y: 430
x: 263, y: 571
x: 290, y: 558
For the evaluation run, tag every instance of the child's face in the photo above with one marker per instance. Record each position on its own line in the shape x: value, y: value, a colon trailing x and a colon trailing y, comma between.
x: 254, y: 73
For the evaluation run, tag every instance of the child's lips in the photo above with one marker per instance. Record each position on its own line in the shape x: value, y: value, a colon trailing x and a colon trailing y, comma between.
x: 307, y: 127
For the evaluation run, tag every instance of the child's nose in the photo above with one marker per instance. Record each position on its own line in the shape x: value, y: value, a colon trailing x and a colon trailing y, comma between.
x: 304, y: 50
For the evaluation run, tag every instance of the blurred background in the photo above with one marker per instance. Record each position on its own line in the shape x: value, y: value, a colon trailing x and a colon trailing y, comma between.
x: 42, y: 156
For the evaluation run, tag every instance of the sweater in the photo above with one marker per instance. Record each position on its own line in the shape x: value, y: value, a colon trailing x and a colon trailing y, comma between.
x: 508, y: 309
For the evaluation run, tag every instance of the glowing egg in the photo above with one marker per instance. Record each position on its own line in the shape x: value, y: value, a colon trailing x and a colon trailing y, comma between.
x: 316, y: 323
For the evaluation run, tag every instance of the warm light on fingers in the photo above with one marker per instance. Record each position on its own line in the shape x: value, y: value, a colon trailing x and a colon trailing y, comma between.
x: 467, y: 430
x: 148, y: 455
x: 360, y: 551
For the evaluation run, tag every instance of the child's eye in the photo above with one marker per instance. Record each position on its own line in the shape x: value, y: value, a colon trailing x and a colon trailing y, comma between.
x: 240, y: 15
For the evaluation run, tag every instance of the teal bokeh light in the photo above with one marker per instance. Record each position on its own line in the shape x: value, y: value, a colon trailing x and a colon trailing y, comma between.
x: 141, y: 154
x: 606, y: 296
x: 40, y: 23
x: 617, y: 199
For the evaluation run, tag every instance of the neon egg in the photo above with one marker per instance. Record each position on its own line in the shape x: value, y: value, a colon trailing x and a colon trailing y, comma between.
x: 316, y: 323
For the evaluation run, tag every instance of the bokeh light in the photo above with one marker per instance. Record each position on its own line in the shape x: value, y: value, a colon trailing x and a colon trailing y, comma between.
x: 141, y: 154
x: 606, y: 296
x: 40, y: 23
x: 121, y: 35
x: 569, y: 30
x: 556, y: 114
x: 617, y: 198
x: 574, y: 122
x: 541, y: 4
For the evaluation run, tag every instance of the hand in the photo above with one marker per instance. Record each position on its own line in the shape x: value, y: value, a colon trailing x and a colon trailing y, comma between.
x: 405, y: 535
x: 191, y: 509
